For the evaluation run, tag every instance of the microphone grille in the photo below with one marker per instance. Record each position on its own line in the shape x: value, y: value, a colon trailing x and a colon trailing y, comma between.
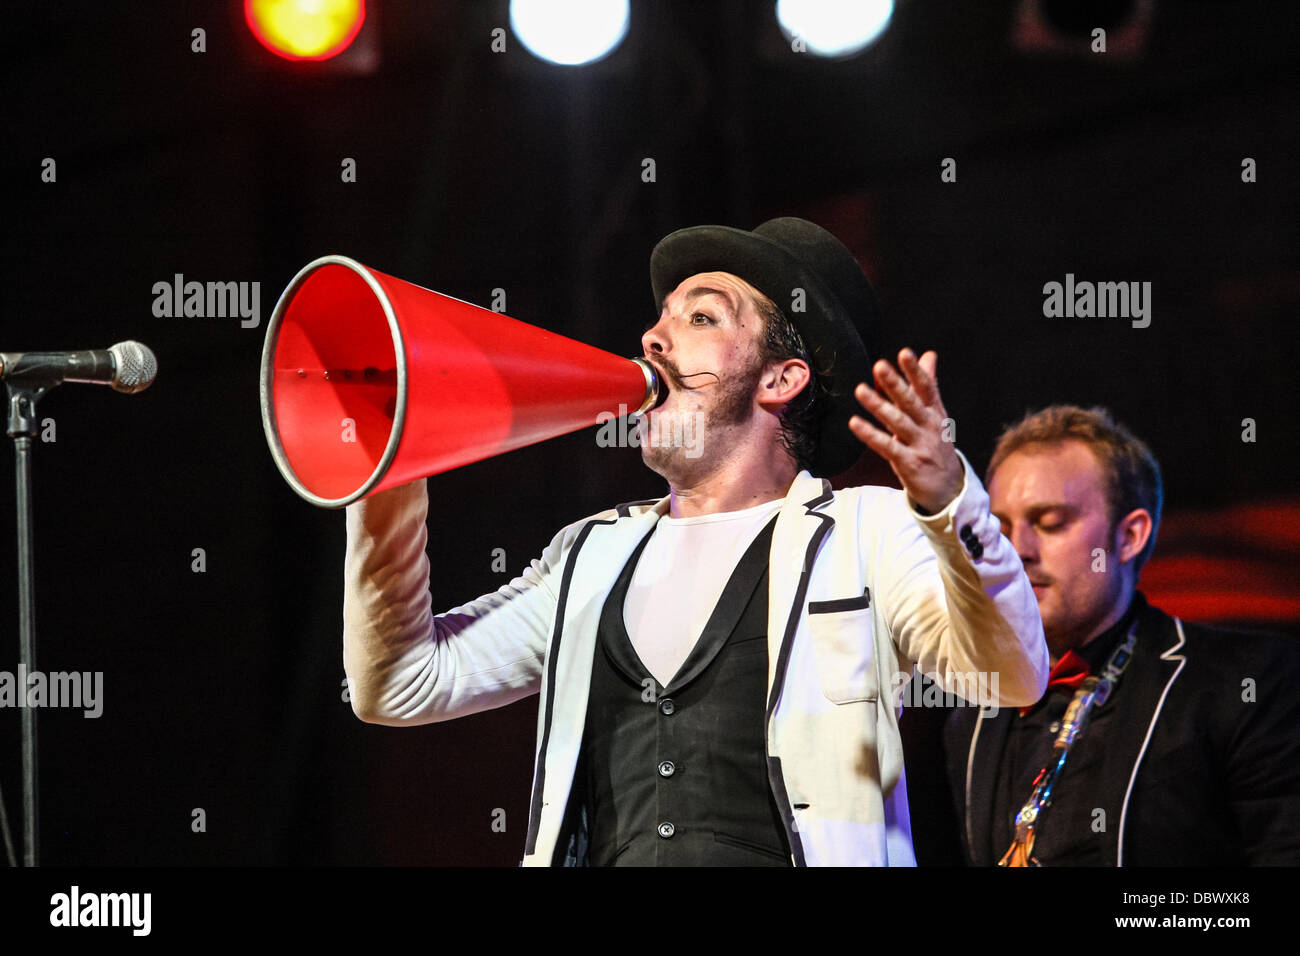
x: 137, y: 367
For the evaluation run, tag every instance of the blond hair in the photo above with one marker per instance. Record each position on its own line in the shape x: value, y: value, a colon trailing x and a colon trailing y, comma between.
x: 1132, y: 473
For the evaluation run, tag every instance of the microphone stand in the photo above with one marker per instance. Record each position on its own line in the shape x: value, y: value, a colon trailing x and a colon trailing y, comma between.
x: 22, y: 429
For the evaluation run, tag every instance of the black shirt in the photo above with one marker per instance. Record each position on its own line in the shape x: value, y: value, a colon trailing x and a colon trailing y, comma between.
x: 1071, y: 830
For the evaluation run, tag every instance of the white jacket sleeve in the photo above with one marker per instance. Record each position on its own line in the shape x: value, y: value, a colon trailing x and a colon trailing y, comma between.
x: 407, y: 666
x: 957, y: 600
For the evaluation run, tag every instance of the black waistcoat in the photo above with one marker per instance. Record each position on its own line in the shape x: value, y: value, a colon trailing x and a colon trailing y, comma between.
x: 677, y: 775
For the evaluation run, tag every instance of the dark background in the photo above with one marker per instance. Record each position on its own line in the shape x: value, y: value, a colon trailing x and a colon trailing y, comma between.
x: 475, y: 170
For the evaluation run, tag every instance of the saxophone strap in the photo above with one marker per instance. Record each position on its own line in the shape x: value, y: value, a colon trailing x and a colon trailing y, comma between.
x: 1092, y: 693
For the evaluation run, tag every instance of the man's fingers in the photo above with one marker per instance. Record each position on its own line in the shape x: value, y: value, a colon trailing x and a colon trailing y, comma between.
x: 881, y: 442
x: 921, y: 379
x: 923, y: 375
x: 897, y: 421
x: 899, y: 391
x: 932, y: 367
x: 920, y: 372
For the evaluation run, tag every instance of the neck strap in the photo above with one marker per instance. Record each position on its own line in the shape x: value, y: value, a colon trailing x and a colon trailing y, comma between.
x: 1093, y: 692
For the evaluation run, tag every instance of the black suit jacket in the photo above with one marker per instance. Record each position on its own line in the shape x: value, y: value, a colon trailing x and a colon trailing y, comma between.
x: 1192, y: 774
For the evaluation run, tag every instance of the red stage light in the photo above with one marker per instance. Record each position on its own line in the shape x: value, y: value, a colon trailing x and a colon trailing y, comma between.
x: 305, y: 29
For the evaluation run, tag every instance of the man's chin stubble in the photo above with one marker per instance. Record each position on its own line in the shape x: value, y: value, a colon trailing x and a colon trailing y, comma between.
x: 671, y: 464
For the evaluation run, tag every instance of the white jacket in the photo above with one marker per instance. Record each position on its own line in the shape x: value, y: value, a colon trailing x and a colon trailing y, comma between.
x: 906, y: 590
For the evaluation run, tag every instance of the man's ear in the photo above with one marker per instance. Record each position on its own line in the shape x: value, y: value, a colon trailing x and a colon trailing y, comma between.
x: 782, y: 381
x: 1131, y: 534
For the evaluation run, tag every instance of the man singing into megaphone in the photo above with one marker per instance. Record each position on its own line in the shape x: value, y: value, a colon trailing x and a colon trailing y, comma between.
x: 719, y: 668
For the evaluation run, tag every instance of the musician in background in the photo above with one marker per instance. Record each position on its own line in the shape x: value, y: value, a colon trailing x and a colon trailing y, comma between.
x: 1186, y: 739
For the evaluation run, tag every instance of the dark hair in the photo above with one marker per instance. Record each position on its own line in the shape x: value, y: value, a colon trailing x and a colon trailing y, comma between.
x: 801, y: 418
x: 1132, y: 472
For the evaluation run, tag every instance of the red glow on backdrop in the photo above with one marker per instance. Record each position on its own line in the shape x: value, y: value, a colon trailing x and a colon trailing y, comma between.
x: 1240, y: 564
x: 305, y: 29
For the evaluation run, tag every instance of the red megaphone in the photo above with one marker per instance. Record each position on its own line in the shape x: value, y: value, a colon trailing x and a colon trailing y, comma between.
x: 369, y: 382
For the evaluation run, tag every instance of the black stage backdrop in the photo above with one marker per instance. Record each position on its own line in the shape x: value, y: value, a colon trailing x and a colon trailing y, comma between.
x: 225, y: 737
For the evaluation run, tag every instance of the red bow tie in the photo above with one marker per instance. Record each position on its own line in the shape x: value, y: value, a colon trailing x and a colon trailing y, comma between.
x: 1070, y: 671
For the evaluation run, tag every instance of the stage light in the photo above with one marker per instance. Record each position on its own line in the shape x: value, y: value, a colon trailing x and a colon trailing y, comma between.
x: 569, y: 32
x: 305, y: 29
x: 834, y: 28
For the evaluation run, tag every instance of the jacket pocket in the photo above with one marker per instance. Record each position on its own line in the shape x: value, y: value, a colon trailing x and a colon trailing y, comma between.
x: 844, y: 646
x: 841, y: 604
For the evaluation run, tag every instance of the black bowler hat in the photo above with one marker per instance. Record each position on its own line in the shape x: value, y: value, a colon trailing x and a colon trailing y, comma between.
x: 840, y: 321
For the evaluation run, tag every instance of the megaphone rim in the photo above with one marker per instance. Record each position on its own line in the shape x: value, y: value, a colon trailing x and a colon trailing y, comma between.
x: 267, y: 379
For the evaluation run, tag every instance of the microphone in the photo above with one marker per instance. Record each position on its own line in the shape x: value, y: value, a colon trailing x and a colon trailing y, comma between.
x: 126, y: 367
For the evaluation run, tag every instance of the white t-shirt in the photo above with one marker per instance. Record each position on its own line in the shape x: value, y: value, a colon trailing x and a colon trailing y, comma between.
x: 679, y: 578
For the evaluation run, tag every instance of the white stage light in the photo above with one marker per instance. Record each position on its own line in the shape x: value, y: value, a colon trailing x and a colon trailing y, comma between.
x: 834, y: 28
x: 569, y: 32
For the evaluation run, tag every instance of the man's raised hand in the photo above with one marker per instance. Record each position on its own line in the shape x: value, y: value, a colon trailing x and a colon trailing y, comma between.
x: 924, y: 461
